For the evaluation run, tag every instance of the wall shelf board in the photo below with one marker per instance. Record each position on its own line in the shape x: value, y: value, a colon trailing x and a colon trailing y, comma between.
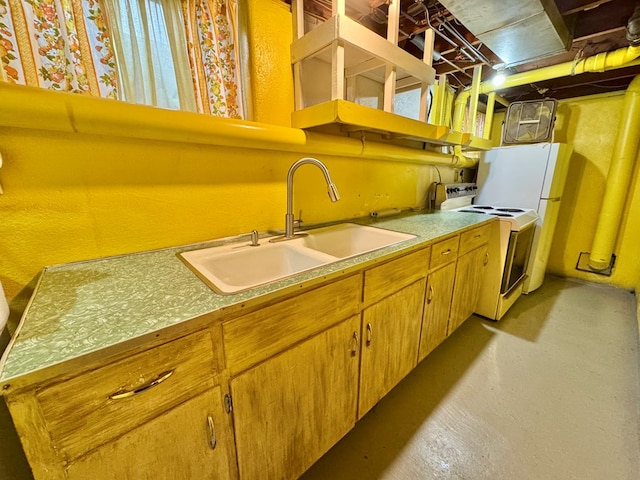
x: 361, y: 118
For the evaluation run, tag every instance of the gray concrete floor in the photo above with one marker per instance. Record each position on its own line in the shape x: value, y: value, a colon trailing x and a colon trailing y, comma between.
x: 550, y: 392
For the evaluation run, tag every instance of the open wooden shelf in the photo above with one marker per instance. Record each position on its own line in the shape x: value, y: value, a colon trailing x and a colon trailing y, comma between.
x: 353, y: 117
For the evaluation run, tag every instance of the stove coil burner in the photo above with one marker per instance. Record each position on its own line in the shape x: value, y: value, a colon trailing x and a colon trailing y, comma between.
x: 473, y: 211
x: 483, y: 207
x: 502, y: 214
x: 510, y: 210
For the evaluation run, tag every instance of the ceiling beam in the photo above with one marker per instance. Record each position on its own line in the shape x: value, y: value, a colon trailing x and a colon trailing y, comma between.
x: 570, y: 7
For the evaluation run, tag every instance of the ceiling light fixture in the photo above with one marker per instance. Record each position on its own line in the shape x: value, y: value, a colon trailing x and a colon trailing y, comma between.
x: 500, y: 76
x: 498, y: 79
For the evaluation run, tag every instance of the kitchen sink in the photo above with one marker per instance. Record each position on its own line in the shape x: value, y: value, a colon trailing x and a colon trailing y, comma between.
x: 349, y: 239
x: 238, y: 267
x: 232, y: 269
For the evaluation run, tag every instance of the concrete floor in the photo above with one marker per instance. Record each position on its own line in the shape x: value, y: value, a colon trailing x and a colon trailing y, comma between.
x: 550, y: 392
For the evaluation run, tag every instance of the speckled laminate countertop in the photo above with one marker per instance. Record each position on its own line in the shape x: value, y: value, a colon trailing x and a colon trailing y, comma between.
x: 83, y: 307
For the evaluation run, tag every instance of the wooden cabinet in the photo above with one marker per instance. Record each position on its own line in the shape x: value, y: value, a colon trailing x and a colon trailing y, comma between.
x: 262, y: 334
x: 299, y: 371
x: 444, y: 252
x: 390, y: 337
x: 390, y: 277
x: 292, y: 408
x: 469, y: 274
x: 294, y: 385
x: 88, y: 410
x: 437, y: 305
x: 193, y: 440
x: 154, y: 414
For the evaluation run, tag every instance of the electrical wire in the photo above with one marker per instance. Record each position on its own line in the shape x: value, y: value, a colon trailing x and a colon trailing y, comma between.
x: 427, y: 15
x: 460, y: 84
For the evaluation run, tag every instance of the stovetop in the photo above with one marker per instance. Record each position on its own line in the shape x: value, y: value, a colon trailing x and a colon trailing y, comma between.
x: 518, y: 217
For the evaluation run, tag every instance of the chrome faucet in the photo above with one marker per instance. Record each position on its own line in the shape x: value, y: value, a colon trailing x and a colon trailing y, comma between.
x: 332, y: 190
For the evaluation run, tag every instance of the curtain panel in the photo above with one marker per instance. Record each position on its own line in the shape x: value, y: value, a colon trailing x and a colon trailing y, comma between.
x: 68, y: 45
x: 151, y: 53
x: 57, y: 44
x: 212, y: 36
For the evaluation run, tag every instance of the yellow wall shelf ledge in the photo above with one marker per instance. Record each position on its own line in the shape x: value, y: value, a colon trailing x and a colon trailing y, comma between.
x: 353, y: 117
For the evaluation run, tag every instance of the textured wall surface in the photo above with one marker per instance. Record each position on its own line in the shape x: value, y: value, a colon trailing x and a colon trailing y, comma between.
x: 72, y: 197
x: 590, y: 125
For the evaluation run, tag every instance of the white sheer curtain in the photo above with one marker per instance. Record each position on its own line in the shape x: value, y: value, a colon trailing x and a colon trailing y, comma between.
x: 151, y: 53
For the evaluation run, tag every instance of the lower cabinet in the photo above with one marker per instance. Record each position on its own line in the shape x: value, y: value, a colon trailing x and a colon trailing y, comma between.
x: 292, y: 408
x: 390, y: 338
x: 469, y: 275
x: 157, y: 414
x: 437, y: 305
x: 193, y: 440
x: 302, y: 371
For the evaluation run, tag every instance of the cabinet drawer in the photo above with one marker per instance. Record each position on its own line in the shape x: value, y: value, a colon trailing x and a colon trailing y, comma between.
x: 444, y: 252
x: 82, y: 413
x: 390, y: 277
x: 257, y: 336
x: 474, y: 238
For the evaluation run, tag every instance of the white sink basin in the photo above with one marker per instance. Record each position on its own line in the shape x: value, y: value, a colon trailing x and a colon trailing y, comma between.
x: 230, y: 269
x: 349, y: 239
x: 237, y: 267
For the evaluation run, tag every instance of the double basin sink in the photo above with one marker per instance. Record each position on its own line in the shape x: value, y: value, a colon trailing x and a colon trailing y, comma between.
x: 238, y: 267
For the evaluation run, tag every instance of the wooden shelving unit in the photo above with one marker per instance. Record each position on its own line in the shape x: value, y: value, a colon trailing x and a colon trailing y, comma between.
x: 332, y: 61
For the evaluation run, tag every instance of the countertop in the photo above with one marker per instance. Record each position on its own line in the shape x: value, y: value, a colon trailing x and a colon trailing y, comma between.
x: 83, y: 307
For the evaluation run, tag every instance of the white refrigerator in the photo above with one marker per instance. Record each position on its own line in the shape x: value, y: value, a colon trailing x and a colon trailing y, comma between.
x: 527, y: 176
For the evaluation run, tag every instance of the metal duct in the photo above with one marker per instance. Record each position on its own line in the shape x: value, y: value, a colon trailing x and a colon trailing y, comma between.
x: 633, y: 27
x: 517, y: 31
x: 601, y: 62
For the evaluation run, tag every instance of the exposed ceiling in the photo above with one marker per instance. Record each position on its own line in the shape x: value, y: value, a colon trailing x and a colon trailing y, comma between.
x: 593, y: 25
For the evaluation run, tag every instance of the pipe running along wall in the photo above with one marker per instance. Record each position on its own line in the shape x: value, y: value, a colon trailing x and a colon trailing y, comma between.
x: 623, y: 159
x: 626, y: 145
x: 36, y: 108
x: 624, y: 57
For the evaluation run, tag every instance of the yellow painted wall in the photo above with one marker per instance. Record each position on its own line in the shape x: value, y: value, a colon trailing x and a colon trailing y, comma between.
x: 77, y: 196
x: 271, y: 31
x: 590, y: 125
x: 72, y: 197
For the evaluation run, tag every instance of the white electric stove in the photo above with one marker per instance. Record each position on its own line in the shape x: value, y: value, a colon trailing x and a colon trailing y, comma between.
x: 509, y: 249
x: 519, y: 218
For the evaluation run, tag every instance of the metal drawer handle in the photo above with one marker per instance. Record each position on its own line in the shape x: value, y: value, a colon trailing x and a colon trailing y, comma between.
x: 486, y: 258
x: 354, y: 348
x: 430, y: 296
x: 446, y: 252
x: 213, y: 441
x: 369, y: 334
x: 130, y: 393
x: 478, y: 236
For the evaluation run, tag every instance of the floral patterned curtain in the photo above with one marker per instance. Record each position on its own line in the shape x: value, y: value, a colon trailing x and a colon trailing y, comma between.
x: 66, y: 45
x: 212, y: 40
x: 57, y: 44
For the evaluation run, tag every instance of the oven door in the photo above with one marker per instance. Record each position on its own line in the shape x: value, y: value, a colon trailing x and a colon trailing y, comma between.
x: 517, y: 257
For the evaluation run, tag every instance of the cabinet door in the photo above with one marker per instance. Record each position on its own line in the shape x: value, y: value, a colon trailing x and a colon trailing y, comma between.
x: 391, y: 334
x: 292, y: 408
x: 436, y: 309
x: 469, y: 275
x: 193, y: 440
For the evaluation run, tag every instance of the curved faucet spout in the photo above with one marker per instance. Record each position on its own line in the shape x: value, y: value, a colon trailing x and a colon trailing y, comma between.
x: 332, y: 190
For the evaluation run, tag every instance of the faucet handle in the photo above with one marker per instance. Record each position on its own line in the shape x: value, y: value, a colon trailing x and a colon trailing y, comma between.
x: 254, y: 239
